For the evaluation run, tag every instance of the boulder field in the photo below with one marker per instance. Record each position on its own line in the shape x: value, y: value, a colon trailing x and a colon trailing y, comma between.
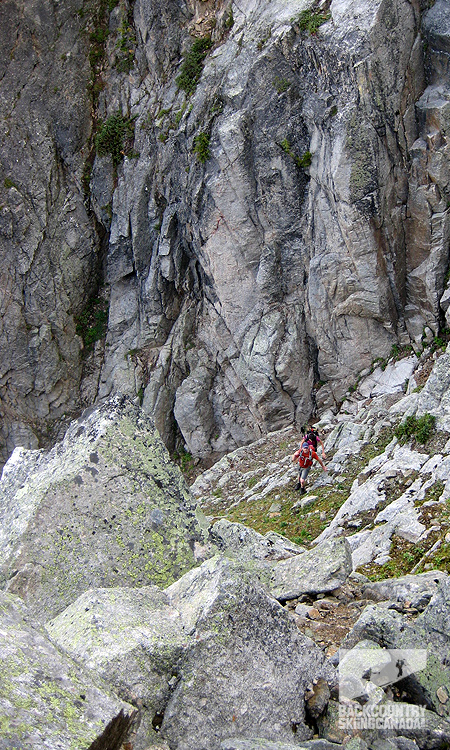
x: 229, y: 638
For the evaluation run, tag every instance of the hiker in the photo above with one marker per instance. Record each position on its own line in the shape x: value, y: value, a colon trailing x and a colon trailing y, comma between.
x: 313, y: 437
x: 305, y: 456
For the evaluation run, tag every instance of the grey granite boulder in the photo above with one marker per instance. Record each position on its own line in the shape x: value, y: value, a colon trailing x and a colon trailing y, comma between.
x: 410, y: 726
x: 436, y: 617
x: 319, y: 570
x: 46, y: 699
x: 434, y: 398
x: 415, y: 589
x: 105, y: 507
x: 247, y: 666
x: 391, y: 630
x: 260, y: 744
x: 132, y: 638
x: 247, y: 545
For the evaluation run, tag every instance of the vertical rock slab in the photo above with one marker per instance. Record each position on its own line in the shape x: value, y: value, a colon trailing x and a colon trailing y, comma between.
x: 105, y: 507
x: 46, y: 699
x: 48, y: 240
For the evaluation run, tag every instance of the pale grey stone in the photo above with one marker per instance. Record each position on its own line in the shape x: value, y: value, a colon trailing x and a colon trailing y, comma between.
x: 391, y: 379
x: 46, y: 699
x: 318, y: 570
x: 417, y: 590
x: 261, y: 744
x: 247, y: 660
x: 132, y: 639
x: 80, y: 516
x: 247, y: 545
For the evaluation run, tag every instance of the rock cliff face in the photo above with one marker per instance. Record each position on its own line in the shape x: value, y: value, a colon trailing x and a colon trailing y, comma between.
x: 268, y: 234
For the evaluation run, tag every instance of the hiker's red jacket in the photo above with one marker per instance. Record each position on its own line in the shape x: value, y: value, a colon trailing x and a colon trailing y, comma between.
x: 314, y: 457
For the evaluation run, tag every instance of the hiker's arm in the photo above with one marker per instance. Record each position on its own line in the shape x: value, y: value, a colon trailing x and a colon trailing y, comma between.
x: 322, y: 464
x: 323, y: 449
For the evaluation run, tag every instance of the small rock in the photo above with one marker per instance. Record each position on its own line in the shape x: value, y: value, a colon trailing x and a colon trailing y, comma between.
x: 307, y: 501
x: 302, y: 610
x: 314, y: 614
x: 326, y: 603
x: 318, y: 701
x: 442, y: 694
x: 275, y: 508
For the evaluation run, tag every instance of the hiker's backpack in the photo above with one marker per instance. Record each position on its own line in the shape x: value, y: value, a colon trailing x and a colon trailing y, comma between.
x: 311, y: 437
x: 305, y: 457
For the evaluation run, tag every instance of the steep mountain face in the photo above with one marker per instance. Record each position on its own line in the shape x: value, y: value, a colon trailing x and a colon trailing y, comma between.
x: 48, y: 245
x: 270, y: 231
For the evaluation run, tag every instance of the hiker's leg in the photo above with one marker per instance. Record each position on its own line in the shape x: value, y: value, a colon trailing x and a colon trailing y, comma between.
x: 304, y: 475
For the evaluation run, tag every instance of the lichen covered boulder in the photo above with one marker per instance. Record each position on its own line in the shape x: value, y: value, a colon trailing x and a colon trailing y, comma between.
x: 105, y: 507
x: 131, y: 638
x: 247, y: 666
x: 46, y: 699
x: 318, y: 570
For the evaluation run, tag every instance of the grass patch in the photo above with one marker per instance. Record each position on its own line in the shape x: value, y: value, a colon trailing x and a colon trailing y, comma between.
x: 301, y: 525
x: 281, y: 84
x: 303, y: 162
x: 311, y: 20
x: 192, y: 67
x: 186, y: 462
x: 419, y: 428
x: 404, y: 555
x: 126, y: 45
x: 407, y: 555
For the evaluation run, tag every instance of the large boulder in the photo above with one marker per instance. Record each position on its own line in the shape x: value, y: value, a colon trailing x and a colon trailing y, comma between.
x: 105, y: 507
x: 390, y: 629
x: 132, y: 638
x: 247, y: 665
x: 247, y: 545
x: 317, y: 571
x: 416, y: 590
x: 46, y: 699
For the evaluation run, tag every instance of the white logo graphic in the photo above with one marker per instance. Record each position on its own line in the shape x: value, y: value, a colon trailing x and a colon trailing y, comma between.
x: 364, y: 669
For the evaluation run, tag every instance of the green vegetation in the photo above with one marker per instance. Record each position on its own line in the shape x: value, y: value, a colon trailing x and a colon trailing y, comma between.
x: 264, y: 39
x: 217, y: 106
x: 311, y: 19
x: 92, y: 323
x: 420, y: 428
x: 301, y: 525
x: 186, y: 463
x: 229, y: 21
x: 281, y: 84
x: 115, y: 137
x: 441, y: 341
x: 86, y: 177
x: 126, y: 45
x: 8, y: 183
x: 192, y: 67
x: 201, y: 147
x: 303, y: 162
